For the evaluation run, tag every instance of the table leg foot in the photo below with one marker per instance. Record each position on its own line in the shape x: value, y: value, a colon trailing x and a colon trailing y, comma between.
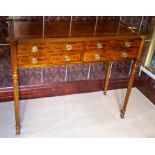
x: 17, y: 130
x: 122, y: 113
x: 104, y: 92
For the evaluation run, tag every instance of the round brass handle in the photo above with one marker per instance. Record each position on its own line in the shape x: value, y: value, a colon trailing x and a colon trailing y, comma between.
x: 34, y: 61
x: 127, y: 44
x: 99, y: 45
x: 97, y: 56
x: 34, y: 49
x: 68, y: 47
x: 132, y: 28
x: 67, y: 58
x: 125, y: 54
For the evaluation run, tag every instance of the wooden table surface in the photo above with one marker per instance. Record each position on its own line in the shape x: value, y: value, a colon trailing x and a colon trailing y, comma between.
x: 37, y: 29
x: 38, y: 44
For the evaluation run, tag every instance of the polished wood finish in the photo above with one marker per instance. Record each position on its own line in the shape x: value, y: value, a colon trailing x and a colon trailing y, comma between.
x: 55, y: 89
x: 55, y: 53
x: 146, y: 89
x: 132, y: 77
x: 46, y: 29
x: 15, y: 85
x: 64, y: 43
x: 107, y: 78
x: 51, y: 52
x: 32, y: 92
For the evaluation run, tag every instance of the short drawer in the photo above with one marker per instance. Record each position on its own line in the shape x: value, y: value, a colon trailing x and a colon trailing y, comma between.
x: 55, y: 59
x: 41, y: 48
x: 99, y: 56
x: 97, y: 45
x: 124, y: 43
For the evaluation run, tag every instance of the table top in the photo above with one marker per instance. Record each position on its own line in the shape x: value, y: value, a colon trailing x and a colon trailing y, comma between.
x: 35, y: 29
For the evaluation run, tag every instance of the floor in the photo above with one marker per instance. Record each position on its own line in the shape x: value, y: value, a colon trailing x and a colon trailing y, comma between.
x: 87, y: 115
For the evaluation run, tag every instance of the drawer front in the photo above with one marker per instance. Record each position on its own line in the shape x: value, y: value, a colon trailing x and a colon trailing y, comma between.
x: 47, y: 60
x: 42, y: 48
x: 116, y: 44
x: 113, y: 50
x: 99, y: 56
x: 126, y: 43
x: 56, y: 53
x: 96, y: 45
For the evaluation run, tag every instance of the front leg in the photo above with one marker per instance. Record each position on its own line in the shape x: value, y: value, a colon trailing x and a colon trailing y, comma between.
x: 16, y: 100
x: 130, y: 84
x: 107, y: 78
x: 15, y: 85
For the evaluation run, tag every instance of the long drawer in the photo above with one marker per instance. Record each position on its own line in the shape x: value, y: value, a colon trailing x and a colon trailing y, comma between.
x: 47, y: 60
x: 47, y: 48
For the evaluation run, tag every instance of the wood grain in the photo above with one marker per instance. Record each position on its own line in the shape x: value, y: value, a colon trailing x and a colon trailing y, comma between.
x: 131, y: 80
x: 107, y: 78
x: 15, y: 85
x: 55, y: 89
x: 74, y: 43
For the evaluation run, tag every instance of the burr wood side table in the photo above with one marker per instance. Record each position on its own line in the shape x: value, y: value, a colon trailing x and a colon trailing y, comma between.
x: 72, y: 43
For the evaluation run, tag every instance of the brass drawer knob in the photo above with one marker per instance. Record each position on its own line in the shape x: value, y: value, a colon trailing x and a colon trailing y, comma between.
x: 132, y: 28
x: 68, y: 47
x: 34, y: 61
x: 34, y: 49
x: 67, y: 58
x: 97, y: 56
x: 125, y: 54
x: 99, y: 45
x: 127, y: 44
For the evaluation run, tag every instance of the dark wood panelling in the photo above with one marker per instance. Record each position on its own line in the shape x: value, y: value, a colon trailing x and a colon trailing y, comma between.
x: 55, y: 89
x: 57, y: 18
x: 146, y: 89
x: 3, y: 18
x: 3, y: 29
x: 28, y: 18
x: 97, y: 70
x: 134, y: 21
x: 145, y: 83
x: 56, y: 29
x: 26, y: 29
x: 108, y: 18
x: 83, y: 18
x: 60, y: 88
x: 146, y: 26
x: 147, y: 79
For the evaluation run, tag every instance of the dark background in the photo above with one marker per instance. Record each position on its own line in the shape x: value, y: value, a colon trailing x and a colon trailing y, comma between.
x: 92, y: 71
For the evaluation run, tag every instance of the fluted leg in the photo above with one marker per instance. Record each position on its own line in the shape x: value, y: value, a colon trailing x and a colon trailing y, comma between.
x: 107, y: 78
x: 16, y: 100
x: 130, y: 84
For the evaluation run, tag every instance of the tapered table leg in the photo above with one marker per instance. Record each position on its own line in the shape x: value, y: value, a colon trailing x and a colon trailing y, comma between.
x: 16, y: 100
x: 107, y: 78
x: 15, y: 85
x: 130, y: 84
